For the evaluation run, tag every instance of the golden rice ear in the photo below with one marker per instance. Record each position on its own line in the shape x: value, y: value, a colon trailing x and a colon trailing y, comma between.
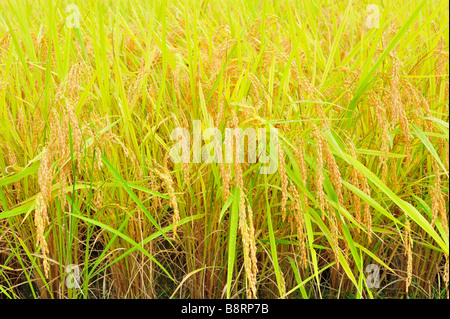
x: 356, y: 201
x: 322, y: 149
x: 75, y: 131
x: 313, y: 93
x: 21, y: 124
x: 12, y: 159
x: 226, y: 167
x: 383, y: 123
x: 367, y: 216
x: 284, y: 180
x: 398, y: 111
x: 438, y: 207
x: 133, y: 93
x: 253, y: 239
x: 299, y: 153
x: 319, y: 167
x: 408, y: 252
x: 45, y: 175
x: 335, y: 174
x: 413, y: 96
x: 41, y: 220
x: 248, y: 239
x: 296, y: 207
x: 359, y: 180
x: 165, y: 175
x: 253, y: 250
x: 282, y: 284
x: 256, y: 83
x: 247, y: 245
x: 183, y: 123
x: 446, y: 273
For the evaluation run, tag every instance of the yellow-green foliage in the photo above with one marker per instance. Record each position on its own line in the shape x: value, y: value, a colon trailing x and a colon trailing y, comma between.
x: 90, y: 92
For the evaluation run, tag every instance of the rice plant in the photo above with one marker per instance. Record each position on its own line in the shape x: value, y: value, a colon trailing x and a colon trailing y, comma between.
x: 97, y: 98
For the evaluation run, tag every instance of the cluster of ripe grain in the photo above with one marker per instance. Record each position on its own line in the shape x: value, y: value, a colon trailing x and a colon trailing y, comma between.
x: 245, y: 218
x: 63, y: 149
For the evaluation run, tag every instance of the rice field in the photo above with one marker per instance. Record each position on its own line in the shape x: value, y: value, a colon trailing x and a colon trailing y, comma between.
x: 130, y: 166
